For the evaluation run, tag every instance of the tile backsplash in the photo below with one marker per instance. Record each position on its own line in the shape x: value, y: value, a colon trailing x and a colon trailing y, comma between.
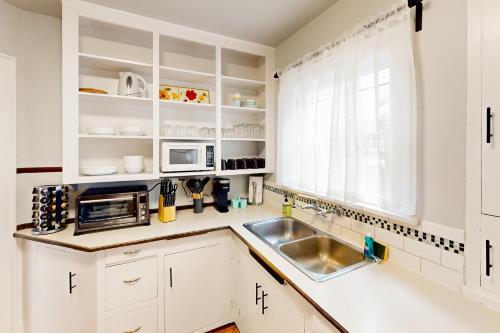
x: 431, y: 255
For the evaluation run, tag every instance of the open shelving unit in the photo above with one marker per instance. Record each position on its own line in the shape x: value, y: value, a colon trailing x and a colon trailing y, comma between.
x: 96, y: 48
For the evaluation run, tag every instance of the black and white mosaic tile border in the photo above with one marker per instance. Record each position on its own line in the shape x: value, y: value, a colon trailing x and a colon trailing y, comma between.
x: 384, y: 223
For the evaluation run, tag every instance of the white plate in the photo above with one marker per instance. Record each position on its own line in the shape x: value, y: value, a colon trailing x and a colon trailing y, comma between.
x: 98, y: 170
x: 100, y: 131
x: 133, y: 133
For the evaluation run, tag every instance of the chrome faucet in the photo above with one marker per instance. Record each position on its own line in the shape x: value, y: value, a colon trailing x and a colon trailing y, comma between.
x: 315, y: 206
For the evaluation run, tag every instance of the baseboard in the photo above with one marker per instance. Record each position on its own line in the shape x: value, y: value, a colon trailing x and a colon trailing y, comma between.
x: 487, y: 299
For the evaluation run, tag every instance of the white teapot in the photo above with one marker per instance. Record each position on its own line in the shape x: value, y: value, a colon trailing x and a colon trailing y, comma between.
x: 131, y: 84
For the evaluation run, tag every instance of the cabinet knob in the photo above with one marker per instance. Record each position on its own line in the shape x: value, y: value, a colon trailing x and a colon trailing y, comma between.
x: 132, y: 281
x: 489, y: 266
x: 264, y: 307
x: 71, y: 285
x: 257, y: 297
x: 134, y: 331
x: 132, y: 253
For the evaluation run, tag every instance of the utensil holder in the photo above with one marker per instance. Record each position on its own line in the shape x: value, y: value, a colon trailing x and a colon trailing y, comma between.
x: 198, y: 205
x: 165, y: 214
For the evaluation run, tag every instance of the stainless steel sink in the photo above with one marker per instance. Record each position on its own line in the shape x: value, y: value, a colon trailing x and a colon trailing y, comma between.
x: 281, y: 230
x: 314, y: 252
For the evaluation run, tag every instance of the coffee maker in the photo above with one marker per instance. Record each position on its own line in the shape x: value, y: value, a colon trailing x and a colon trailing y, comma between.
x: 221, y: 190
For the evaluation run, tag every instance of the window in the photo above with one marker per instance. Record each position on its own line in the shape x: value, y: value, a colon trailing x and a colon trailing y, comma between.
x: 347, y: 123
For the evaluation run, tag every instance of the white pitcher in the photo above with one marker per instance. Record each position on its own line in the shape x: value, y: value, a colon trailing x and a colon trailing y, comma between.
x: 131, y: 84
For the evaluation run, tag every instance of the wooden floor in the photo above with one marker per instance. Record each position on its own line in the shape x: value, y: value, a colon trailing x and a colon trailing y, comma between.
x: 226, y: 329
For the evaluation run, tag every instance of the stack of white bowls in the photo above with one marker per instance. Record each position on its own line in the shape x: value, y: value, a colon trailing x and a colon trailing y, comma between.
x: 133, y: 164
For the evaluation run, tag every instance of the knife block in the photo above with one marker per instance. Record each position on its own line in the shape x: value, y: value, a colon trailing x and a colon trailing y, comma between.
x: 165, y: 214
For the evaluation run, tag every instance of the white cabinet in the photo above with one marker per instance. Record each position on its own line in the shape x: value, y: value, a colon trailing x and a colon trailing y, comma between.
x: 131, y: 283
x: 490, y: 254
x: 490, y: 182
x: 316, y: 323
x: 198, y: 292
x: 142, y: 320
x: 264, y: 305
x: 60, y: 293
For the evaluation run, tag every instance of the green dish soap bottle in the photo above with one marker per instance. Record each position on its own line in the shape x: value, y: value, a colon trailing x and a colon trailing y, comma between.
x: 287, y: 207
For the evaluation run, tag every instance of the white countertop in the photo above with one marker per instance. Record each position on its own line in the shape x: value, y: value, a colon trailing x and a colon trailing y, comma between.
x: 376, y: 298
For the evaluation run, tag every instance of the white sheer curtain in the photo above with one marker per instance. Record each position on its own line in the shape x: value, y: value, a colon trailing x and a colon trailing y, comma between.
x: 347, y: 121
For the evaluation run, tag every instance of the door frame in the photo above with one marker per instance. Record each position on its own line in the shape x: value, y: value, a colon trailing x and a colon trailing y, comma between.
x: 8, y: 198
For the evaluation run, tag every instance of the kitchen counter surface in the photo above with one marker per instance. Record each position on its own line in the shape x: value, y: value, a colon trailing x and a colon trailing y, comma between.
x: 376, y: 298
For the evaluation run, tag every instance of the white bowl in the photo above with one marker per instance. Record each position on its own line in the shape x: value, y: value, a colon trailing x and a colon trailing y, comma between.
x: 133, y: 164
x: 132, y: 131
x: 98, y: 169
x: 100, y: 131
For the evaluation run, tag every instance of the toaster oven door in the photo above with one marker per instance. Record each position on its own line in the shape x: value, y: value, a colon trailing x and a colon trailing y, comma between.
x: 106, y: 212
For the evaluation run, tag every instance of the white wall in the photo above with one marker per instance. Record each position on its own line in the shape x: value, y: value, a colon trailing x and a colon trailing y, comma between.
x: 440, y: 50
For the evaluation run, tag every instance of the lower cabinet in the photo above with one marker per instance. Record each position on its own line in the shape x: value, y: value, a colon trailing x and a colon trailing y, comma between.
x: 490, y: 254
x: 265, y: 305
x: 318, y: 324
x: 189, y: 285
x: 59, y: 291
x: 198, y: 289
x: 142, y: 320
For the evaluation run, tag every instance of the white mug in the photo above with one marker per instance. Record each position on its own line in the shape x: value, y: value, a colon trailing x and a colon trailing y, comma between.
x: 133, y: 164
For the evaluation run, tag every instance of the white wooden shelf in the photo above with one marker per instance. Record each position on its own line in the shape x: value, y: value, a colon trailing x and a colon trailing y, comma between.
x: 97, y: 62
x: 186, y: 106
x: 242, y: 172
x: 118, y: 137
x: 243, y: 139
x: 246, y: 84
x: 170, y: 138
x: 185, y: 75
x: 99, y: 43
x: 117, y: 177
x: 241, y: 109
x: 187, y: 174
x: 91, y: 97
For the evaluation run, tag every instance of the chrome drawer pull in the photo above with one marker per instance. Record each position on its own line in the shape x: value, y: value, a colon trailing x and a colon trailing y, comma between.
x: 131, y: 281
x: 134, y: 331
x: 132, y: 253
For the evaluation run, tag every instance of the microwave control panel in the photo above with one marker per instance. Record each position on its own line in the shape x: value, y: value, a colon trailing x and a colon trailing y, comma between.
x: 210, y: 156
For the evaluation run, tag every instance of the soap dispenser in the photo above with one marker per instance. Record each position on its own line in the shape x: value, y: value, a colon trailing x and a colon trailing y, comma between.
x: 287, y: 207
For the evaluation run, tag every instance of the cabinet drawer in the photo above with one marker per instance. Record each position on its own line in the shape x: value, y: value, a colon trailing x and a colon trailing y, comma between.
x: 143, y: 320
x: 130, y: 283
x: 133, y: 252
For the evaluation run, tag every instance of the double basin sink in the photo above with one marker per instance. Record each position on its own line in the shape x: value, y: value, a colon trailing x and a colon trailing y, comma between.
x: 314, y: 252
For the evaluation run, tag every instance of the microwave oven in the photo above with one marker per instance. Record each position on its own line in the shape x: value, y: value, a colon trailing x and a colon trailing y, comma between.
x: 110, y: 208
x: 185, y: 156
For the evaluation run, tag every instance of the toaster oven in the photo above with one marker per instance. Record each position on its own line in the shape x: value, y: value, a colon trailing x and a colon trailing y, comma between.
x: 110, y: 208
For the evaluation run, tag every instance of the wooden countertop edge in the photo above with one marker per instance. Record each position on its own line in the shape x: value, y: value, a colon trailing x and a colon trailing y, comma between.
x: 41, y: 239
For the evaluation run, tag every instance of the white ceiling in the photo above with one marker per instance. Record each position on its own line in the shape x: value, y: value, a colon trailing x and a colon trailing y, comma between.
x: 263, y: 21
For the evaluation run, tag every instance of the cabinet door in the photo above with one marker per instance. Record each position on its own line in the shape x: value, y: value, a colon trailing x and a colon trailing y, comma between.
x: 491, y: 109
x: 490, y: 254
x: 65, y: 304
x: 318, y: 324
x: 198, y: 288
x: 250, y: 286
x: 284, y: 311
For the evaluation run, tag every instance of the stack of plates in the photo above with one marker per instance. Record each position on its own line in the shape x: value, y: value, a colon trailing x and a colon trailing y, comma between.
x: 250, y: 103
x: 98, y: 169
